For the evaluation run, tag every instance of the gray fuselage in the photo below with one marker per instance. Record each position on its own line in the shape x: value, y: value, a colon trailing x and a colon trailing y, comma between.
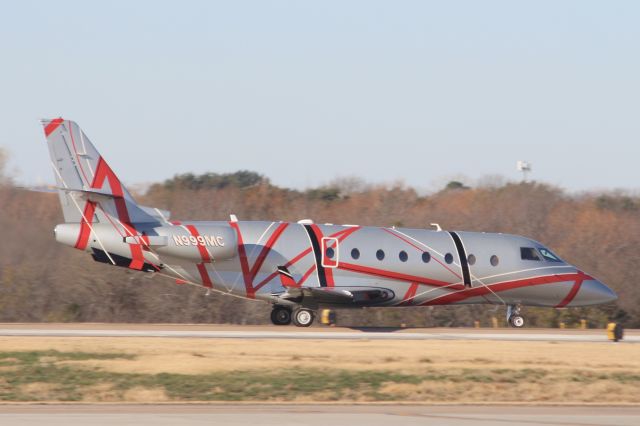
x: 413, y: 266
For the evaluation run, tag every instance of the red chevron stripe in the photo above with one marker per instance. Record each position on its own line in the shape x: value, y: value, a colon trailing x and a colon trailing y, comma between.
x: 574, y: 290
x: 204, y: 275
x: 85, y: 225
x: 244, y: 262
x: 340, y: 235
x: 266, y: 249
x: 53, y: 125
x: 104, y: 173
x: 249, y: 273
x: 396, y: 275
x: 409, y: 295
x: 204, y: 253
x: 503, y: 286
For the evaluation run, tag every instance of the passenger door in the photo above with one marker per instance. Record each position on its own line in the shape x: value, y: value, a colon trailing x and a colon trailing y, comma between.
x: 330, y: 252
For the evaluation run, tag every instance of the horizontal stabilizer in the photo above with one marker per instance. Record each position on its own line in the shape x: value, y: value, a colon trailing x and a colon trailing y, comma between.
x: 101, y: 195
x: 161, y: 215
x: 91, y: 195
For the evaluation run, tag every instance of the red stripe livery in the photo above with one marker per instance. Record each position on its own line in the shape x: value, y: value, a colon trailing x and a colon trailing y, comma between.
x: 53, y: 125
x: 206, y: 258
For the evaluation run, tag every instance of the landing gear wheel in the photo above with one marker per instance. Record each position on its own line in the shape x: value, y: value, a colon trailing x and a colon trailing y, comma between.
x: 303, y: 317
x: 281, y: 315
x: 514, y: 318
x: 516, y: 321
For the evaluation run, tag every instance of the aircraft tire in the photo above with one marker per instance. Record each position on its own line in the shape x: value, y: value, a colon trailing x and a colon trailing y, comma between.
x: 303, y: 317
x: 516, y: 321
x: 281, y: 315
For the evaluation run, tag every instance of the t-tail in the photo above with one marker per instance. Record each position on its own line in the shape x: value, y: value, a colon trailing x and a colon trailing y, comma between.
x: 90, y: 192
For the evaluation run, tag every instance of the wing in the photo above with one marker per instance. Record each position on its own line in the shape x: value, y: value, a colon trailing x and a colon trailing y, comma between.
x: 354, y: 296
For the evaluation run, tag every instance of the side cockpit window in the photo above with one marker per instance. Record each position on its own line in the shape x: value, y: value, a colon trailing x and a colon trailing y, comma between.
x: 549, y: 255
x: 529, y: 253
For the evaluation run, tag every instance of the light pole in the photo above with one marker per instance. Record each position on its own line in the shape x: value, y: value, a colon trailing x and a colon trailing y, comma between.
x: 523, y: 167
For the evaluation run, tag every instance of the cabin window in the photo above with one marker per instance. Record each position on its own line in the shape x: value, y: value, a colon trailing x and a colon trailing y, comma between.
x: 494, y: 260
x: 330, y: 252
x: 380, y: 254
x: 549, y: 255
x: 529, y: 253
x: 403, y: 256
x: 355, y: 253
x: 471, y: 259
x: 448, y: 258
x: 426, y: 257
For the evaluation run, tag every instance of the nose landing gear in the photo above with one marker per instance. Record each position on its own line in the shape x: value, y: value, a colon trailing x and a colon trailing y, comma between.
x: 513, y: 316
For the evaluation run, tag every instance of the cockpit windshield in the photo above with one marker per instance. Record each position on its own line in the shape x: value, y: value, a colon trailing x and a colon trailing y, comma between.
x: 549, y: 255
x: 538, y: 254
x: 529, y: 253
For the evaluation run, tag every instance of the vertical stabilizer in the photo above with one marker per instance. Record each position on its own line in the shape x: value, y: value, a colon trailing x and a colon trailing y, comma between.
x: 89, y: 190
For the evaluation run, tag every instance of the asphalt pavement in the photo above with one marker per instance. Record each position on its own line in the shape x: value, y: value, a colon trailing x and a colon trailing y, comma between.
x: 315, y: 415
x: 313, y: 333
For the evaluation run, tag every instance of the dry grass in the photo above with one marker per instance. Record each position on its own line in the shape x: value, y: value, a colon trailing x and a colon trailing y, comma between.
x: 142, y: 394
x: 420, y: 371
x: 203, y: 356
x: 39, y: 390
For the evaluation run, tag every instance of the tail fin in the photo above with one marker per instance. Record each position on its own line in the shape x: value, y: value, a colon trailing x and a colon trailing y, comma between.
x: 89, y: 190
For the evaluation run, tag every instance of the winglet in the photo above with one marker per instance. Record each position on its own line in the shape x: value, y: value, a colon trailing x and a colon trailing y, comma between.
x: 286, y: 279
x: 51, y: 125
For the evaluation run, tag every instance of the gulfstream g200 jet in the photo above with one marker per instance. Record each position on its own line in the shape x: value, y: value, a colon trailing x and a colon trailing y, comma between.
x: 299, y: 267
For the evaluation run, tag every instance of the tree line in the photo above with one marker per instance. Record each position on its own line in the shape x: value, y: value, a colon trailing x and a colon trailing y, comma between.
x: 41, y: 280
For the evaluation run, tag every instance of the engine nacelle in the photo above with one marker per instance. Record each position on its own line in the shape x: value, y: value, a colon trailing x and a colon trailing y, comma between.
x: 201, y: 243
x: 197, y: 243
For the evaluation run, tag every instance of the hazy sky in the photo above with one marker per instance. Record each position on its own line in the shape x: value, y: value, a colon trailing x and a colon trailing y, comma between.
x: 306, y: 91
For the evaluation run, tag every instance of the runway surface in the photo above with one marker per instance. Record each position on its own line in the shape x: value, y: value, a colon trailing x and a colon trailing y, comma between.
x: 316, y: 415
x: 314, y: 333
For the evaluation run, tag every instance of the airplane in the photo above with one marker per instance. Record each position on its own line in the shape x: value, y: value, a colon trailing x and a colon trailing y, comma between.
x: 304, y: 266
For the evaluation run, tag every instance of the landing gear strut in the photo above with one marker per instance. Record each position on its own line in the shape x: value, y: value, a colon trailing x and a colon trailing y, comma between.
x: 281, y: 315
x: 513, y: 316
x: 303, y: 317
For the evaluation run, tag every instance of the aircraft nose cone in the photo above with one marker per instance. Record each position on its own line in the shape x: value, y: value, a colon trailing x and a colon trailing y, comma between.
x: 593, y: 292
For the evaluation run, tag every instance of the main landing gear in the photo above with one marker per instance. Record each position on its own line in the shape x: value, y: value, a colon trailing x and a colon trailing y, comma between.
x: 513, y: 316
x: 281, y: 315
x: 301, y: 317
